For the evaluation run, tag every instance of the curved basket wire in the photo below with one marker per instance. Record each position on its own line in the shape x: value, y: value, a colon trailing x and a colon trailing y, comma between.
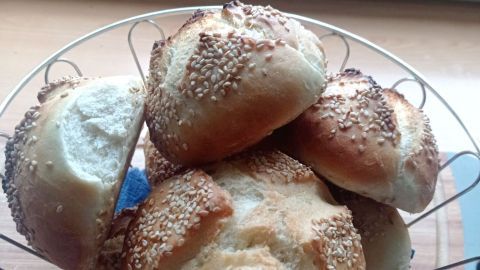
x: 333, y: 31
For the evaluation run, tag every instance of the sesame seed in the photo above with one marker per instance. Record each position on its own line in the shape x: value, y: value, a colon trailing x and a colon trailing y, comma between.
x: 334, y: 237
x: 361, y: 148
x: 180, y: 242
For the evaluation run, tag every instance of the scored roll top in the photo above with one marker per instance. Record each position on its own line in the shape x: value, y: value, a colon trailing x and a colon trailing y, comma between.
x: 227, y: 79
x: 259, y: 209
x: 368, y: 140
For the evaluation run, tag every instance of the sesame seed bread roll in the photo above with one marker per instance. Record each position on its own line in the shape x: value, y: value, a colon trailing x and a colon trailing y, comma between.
x: 110, y: 254
x: 368, y: 140
x: 227, y: 79
x: 179, y: 216
x: 157, y: 167
x: 66, y: 162
x: 281, y: 216
x: 385, y: 239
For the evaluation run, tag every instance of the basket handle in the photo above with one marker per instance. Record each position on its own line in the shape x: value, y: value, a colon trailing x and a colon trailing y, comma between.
x: 422, y: 87
x: 71, y: 63
x: 132, y: 48
x: 347, y: 48
x: 456, y: 196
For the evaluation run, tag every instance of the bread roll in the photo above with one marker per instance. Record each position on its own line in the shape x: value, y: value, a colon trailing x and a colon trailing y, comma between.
x: 167, y: 229
x: 66, y: 163
x: 368, y: 140
x: 385, y: 239
x: 157, y: 167
x: 110, y: 254
x: 227, y: 79
x: 261, y: 210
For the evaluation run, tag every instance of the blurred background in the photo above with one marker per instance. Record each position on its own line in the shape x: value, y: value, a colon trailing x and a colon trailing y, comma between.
x: 441, y: 39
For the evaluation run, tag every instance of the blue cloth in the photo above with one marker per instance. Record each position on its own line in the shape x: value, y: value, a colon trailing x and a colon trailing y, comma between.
x: 134, y: 190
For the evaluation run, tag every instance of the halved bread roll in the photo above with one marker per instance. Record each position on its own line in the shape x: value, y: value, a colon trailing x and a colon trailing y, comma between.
x: 258, y: 210
x: 227, y: 79
x: 66, y: 162
x: 368, y: 140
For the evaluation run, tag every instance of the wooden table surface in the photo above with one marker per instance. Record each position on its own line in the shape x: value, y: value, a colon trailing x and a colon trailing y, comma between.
x: 440, y: 39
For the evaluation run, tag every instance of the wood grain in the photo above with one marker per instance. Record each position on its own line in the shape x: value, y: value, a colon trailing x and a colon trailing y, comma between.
x: 438, y: 38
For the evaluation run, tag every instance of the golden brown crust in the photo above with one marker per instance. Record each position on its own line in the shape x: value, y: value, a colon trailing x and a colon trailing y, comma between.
x: 337, y: 242
x: 210, y: 82
x: 420, y: 156
x: 276, y: 214
x: 255, y: 258
x: 58, y: 86
x: 179, y: 216
x: 157, y: 167
x: 340, y: 137
x: 110, y: 255
x: 364, y: 139
x: 268, y: 165
x: 280, y: 211
x: 120, y: 221
x: 385, y: 238
x: 334, y: 239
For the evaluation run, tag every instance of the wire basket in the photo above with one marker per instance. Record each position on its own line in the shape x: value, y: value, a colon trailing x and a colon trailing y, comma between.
x: 349, y: 42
